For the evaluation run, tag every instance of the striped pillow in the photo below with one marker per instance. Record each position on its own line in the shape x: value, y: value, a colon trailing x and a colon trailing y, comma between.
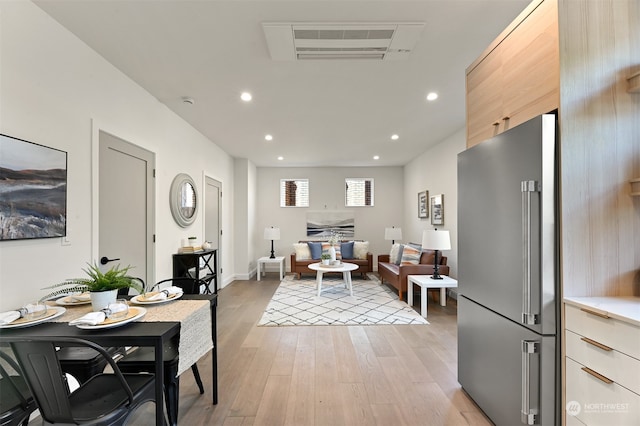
x: 410, y: 255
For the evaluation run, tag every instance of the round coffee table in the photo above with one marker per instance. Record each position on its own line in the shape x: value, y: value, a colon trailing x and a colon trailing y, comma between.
x: 344, y: 267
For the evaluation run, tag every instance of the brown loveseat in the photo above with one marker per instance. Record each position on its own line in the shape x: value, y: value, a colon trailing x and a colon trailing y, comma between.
x: 396, y: 275
x: 300, y: 267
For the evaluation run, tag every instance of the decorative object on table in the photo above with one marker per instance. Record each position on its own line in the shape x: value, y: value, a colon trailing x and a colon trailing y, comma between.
x: 20, y: 322
x: 323, y: 224
x: 326, y: 258
x: 272, y: 234
x: 103, y: 286
x: 393, y: 234
x: 370, y: 304
x: 437, y: 209
x: 432, y: 239
x: 334, y: 245
x: 423, y: 205
x: 193, y: 241
x: 206, y: 245
x: 33, y: 181
x: 183, y: 200
x: 159, y: 296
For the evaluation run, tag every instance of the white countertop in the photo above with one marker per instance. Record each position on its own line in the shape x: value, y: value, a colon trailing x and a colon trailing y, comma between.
x: 625, y: 309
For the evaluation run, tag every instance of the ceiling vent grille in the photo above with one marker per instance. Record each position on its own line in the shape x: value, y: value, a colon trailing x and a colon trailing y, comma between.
x: 380, y: 41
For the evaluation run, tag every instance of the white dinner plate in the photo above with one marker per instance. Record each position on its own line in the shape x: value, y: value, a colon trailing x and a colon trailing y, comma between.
x: 139, y: 299
x: 21, y: 322
x: 69, y: 301
x: 133, y: 315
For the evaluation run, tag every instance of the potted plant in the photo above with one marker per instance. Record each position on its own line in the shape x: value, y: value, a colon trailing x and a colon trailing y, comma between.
x: 326, y: 258
x: 102, y: 286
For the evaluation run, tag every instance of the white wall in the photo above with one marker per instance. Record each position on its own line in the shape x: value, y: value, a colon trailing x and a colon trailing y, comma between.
x: 244, y: 218
x: 326, y: 192
x: 436, y: 171
x: 52, y: 89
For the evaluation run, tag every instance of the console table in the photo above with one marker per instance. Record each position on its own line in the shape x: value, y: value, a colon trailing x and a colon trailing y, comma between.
x: 201, y: 265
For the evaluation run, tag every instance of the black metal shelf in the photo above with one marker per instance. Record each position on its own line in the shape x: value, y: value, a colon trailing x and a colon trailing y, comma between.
x: 189, y: 265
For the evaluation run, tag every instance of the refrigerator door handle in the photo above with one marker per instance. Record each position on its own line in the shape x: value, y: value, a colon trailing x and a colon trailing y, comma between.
x: 527, y: 187
x: 528, y: 415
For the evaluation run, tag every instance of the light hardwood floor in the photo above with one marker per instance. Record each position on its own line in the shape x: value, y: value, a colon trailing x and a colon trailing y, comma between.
x: 326, y: 375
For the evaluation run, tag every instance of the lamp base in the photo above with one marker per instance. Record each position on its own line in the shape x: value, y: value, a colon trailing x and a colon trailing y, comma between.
x: 436, y: 277
x: 273, y: 256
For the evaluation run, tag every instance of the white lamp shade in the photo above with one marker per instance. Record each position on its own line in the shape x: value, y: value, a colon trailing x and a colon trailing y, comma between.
x: 436, y: 240
x: 392, y: 233
x: 271, y: 233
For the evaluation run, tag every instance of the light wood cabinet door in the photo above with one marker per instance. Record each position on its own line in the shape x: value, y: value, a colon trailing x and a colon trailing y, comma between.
x: 519, y: 76
x: 531, y: 67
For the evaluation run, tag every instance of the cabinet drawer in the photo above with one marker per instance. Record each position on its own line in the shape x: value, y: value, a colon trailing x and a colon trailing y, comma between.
x: 612, y: 364
x: 600, y: 403
x: 619, y: 335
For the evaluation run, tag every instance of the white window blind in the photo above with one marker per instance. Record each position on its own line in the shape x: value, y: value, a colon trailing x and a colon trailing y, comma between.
x: 358, y: 192
x: 294, y: 192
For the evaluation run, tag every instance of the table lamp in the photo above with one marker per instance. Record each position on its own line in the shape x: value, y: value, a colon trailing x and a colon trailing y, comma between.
x: 272, y: 234
x: 432, y: 239
x: 393, y: 234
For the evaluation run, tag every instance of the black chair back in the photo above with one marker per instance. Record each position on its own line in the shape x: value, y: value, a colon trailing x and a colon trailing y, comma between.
x: 187, y: 284
x: 16, y: 402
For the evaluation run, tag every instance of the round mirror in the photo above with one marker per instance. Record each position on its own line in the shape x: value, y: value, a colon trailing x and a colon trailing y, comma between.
x: 183, y: 199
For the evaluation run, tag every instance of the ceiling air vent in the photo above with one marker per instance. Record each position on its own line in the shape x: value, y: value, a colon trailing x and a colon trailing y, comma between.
x: 380, y: 41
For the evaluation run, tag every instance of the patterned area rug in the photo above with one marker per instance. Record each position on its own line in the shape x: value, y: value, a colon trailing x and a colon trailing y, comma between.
x: 295, y: 303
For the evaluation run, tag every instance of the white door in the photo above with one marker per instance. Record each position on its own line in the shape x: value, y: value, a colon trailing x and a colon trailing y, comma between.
x: 212, y: 200
x: 126, y: 206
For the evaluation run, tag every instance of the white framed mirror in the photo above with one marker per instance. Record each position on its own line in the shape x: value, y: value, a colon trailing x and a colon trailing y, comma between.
x: 183, y: 200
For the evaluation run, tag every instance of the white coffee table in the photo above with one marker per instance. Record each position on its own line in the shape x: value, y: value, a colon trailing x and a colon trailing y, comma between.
x: 344, y: 267
x: 264, y: 260
x: 425, y: 282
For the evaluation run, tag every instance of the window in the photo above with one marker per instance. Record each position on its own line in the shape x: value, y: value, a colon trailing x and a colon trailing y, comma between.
x: 358, y: 192
x: 294, y: 192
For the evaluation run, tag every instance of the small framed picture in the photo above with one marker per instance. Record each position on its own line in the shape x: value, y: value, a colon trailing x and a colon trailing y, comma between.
x: 423, y: 205
x: 437, y: 209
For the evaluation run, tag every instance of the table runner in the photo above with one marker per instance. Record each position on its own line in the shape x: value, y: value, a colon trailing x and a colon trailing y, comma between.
x: 195, y: 325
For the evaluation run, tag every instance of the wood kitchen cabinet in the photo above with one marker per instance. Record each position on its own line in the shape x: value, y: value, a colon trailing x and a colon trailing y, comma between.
x: 517, y: 77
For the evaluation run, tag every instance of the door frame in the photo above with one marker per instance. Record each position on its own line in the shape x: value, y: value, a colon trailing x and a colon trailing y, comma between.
x: 206, y: 175
x: 96, y: 128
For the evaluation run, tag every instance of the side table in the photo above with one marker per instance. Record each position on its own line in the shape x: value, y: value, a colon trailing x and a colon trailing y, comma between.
x: 266, y: 259
x: 425, y: 282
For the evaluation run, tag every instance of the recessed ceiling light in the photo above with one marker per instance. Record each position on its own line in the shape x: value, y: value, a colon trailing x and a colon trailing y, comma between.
x: 268, y: 137
x: 376, y: 157
x: 432, y: 96
x: 246, y: 96
x: 395, y: 137
x: 281, y: 158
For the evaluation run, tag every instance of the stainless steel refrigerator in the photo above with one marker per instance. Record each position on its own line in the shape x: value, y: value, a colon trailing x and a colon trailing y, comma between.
x: 508, y: 307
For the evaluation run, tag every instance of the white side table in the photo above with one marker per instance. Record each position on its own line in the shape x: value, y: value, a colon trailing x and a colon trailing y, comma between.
x: 264, y: 260
x: 425, y: 282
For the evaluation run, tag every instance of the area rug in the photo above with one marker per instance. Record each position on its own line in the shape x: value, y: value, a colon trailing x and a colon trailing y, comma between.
x: 295, y: 302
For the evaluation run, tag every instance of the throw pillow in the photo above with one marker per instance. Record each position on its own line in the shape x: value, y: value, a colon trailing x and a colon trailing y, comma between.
x: 410, y: 255
x: 347, y: 250
x: 302, y: 251
x: 395, y: 254
x: 315, y: 249
x: 360, y: 249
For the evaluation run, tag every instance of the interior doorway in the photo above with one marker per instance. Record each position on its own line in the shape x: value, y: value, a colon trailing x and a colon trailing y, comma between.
x: 126, y: 199
x: 213, y: 204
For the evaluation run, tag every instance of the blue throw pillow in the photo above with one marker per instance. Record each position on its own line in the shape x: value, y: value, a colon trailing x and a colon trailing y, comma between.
x: 347, y: 250
x: 315, y: 249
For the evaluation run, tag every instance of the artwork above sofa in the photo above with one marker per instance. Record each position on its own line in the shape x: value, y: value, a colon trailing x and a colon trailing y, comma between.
x: 308, y: 252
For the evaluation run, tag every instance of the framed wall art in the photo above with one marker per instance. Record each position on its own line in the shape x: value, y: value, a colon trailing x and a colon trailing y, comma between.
x: 33, y: 190
x: 437, y: 209
x: 423, y: 204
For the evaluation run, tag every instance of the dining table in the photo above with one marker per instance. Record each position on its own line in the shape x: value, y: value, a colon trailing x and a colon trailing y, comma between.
x: 189, y: 322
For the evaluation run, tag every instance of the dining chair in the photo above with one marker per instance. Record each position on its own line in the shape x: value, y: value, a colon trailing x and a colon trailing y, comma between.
x: 143, y: 358
x: 16, y: 401
x: 105, y: 399
x: 84, y: 363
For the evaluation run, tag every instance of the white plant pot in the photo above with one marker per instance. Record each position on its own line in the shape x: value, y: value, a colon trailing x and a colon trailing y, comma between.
x: 101, y: 299
x: 326, y: 261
